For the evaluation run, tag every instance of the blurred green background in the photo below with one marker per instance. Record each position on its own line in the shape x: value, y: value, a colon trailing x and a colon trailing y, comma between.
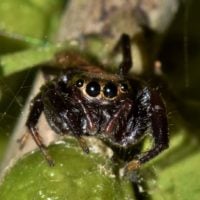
x: 27, y: 28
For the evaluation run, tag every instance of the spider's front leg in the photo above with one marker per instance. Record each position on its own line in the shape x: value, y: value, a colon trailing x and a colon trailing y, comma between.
x: 125, y: 44
x: 35, y: 112
x: 64, y: 114
x: 159, y: 124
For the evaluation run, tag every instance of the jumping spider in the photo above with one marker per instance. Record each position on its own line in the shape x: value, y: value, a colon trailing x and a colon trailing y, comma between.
x: 87, y: 100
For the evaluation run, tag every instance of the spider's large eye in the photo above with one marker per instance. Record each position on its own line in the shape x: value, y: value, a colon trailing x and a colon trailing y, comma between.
x: 79, y: 83
x: 110, y: 90
x: 93, y: 88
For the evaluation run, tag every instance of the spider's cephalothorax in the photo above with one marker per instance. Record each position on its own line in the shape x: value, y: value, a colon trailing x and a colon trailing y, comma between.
x: 116, y: 108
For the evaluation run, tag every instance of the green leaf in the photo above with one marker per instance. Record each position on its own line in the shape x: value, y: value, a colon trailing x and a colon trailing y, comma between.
x: 179, y: 181
x: 13, y: 63
x: 174, y: 174
x: 76, y: 175
x: 28, y: 18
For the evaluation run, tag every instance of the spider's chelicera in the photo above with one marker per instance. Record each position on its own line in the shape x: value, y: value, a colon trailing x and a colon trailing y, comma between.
x: 88, y: 101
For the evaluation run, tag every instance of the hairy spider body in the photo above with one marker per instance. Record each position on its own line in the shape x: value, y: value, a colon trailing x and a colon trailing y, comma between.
x: 89, y: 101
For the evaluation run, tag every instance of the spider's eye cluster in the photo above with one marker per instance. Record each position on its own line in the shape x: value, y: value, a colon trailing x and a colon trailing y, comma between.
x: 109, y: 89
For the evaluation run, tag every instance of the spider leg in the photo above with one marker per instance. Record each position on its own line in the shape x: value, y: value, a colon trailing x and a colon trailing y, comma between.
x: 160, y: 135
x: 83, y: 144
x: 125, y: 44
x: 35, y: 112
x: 22, y: 141
x: 63, y: 117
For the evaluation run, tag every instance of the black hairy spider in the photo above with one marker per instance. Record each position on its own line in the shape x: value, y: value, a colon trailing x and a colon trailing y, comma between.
x: 86, y: 100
